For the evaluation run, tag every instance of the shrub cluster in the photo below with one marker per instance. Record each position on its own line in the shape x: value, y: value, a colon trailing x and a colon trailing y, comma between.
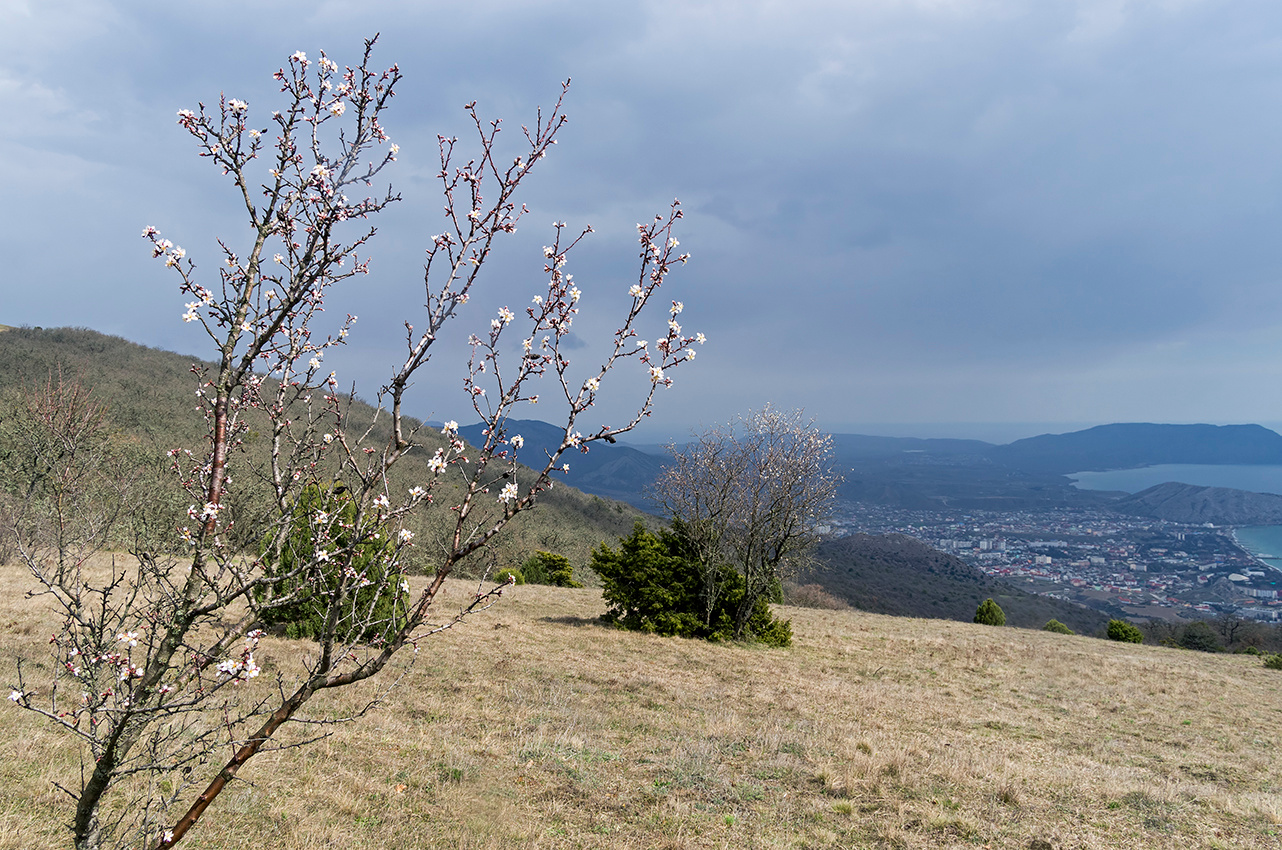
x: 1121, y: 630
x: 542, y: 568
x: 1057, y: 627
x: 812, y: 596
x: 653, y: 583
x: 324, y: 551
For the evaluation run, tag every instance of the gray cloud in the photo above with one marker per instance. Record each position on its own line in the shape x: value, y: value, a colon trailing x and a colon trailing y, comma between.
x: 979, y: 210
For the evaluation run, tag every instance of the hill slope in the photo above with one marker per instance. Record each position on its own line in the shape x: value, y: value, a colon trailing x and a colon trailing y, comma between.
x: 1193, y: 504
x: 149, y: 395
x: 534, y: 726
x: 898, y: 575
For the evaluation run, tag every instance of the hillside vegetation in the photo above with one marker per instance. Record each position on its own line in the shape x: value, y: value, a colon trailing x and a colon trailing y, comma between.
x: 898, y: 575
x: 149, y: 395
x: 535, y: 726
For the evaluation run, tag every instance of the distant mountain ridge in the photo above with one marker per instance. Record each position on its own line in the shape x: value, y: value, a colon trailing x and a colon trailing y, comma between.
x: 1131, y: 445
x: 919, y: 473
x: 614, y: 471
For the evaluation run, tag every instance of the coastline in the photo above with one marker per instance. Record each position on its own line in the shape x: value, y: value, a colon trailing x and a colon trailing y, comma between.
x: 1253, y: 555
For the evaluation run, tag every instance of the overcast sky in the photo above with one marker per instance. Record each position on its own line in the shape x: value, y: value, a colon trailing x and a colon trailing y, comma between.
x: 933, y: 212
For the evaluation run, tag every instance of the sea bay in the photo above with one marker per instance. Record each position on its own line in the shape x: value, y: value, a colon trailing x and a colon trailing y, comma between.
x: 1262, y: 541
x: 1254, y: 478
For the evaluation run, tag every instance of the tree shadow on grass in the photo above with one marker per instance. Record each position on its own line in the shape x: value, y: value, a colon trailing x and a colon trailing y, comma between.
x: 578, y: 622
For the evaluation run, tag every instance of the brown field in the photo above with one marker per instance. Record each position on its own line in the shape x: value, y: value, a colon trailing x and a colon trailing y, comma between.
x: 533, y: 726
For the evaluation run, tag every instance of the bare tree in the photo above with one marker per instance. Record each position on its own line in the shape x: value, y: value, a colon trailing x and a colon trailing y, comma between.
x: 155, y: 663
x: 750, y: 496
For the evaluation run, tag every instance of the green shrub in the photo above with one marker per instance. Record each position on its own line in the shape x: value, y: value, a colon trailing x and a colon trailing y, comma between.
x: 1199, y: 636
x: 1121, y: 630
x: 325, y: 562
x: 548, y: 568
x: 515, y: 576
x: 989, y: 613
x: 1273, y: 662
x: 1057, y: 627
x: 653, y: 583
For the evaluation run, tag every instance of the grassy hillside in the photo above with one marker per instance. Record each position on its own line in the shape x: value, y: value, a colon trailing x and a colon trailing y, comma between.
x: 536, y: 727
x: 149, y: 394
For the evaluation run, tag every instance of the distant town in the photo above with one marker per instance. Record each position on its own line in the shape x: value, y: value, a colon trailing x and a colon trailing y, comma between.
x: 1140, y: 568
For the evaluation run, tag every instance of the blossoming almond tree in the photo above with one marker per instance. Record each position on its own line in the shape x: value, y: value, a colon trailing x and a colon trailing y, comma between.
x: 156, y: 667
x: 750, y: 498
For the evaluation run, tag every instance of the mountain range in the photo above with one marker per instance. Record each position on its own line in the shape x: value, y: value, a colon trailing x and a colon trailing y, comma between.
x: 932, y: 474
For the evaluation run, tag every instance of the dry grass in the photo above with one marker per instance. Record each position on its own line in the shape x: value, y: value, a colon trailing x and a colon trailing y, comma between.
x: 533, y: 726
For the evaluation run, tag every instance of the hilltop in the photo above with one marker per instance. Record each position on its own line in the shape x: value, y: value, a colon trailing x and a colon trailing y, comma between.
x: 533, y: 725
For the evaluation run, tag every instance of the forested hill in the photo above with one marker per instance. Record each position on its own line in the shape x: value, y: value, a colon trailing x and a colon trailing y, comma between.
x: 149, y: 395
x: 898, y: 575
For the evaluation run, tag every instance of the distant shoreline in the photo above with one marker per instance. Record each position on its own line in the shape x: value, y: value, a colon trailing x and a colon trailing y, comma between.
x: 1254, y: 557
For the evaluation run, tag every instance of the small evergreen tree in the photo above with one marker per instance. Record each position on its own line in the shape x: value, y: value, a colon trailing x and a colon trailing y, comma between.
x: 1201, y: 637
x: 548, y: 568
x: 1057, y: 627
x: 324, y: 552
x: 989, y: 613
x: 1121, y: 630
x: 654, y: 583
